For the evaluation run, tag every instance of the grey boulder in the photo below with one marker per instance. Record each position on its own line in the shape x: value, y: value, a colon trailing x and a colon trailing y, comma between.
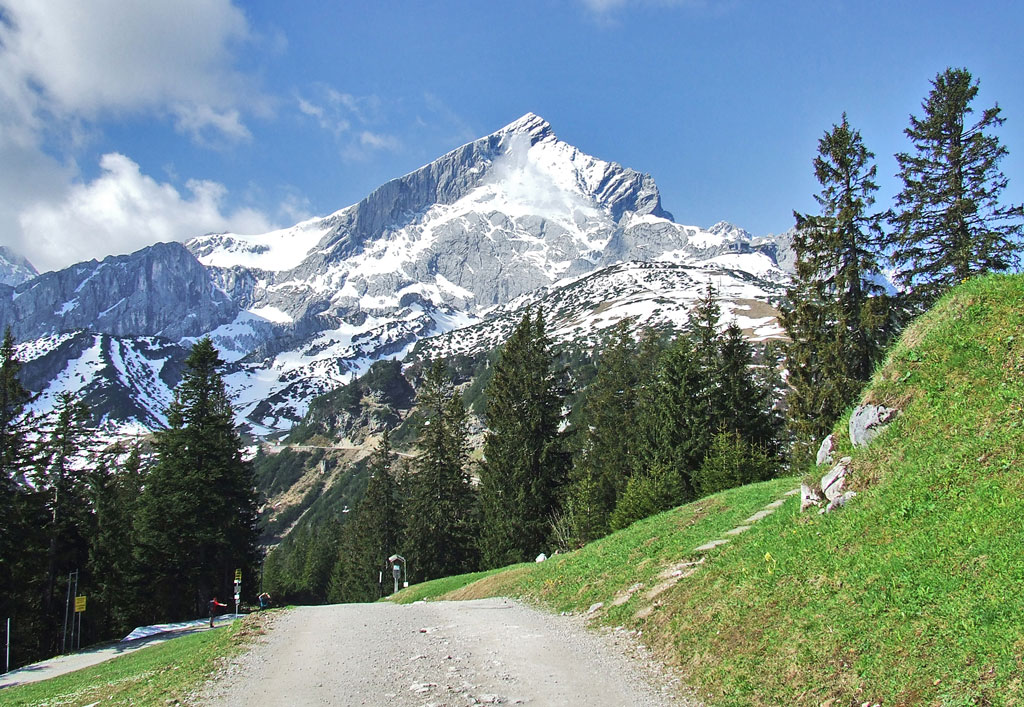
x: 869, y: 421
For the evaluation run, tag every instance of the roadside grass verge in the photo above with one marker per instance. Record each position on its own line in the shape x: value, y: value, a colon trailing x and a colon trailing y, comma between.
x: 911, y: 595
x: 155, y: 675
x: 438, y: 587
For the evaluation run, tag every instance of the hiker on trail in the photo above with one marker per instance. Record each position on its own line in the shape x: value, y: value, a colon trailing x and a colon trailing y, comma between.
x: 213, y: 607
x: 264, y: 600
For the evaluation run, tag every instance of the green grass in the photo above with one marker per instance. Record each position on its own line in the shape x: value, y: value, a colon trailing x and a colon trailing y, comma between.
x: 911, y: 595
x: 437, y: 587
x: 155, y: 675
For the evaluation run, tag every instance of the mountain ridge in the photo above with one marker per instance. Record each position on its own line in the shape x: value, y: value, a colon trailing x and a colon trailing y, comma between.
x: 512, y: 218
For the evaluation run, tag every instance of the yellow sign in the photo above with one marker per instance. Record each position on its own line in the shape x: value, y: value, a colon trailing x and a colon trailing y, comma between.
x: 238, y: 575
x: 79, y: 604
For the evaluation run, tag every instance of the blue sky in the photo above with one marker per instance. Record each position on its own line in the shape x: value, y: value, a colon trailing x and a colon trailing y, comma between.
x: 122, y: 124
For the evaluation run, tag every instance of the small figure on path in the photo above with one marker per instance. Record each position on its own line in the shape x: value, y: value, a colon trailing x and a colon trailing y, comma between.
x: 213, y: 607
x: 264, y: 600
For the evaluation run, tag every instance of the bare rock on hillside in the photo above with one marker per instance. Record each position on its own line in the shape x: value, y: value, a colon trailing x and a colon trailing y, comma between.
x: 869, y: 421
x: 838, y: 502
x: 833, y: 482
x: 809, y: 497
x: 830, y: 491
x: 828, y: 446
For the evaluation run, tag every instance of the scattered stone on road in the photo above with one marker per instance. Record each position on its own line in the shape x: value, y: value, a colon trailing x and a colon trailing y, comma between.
x: 488, y: 651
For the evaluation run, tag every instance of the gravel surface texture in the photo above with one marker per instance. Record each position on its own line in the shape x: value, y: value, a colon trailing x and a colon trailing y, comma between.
x: 488, y: 651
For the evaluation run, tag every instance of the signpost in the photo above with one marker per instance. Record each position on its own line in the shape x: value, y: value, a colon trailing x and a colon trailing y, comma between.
x: 80, y: 604
x: 238, y: 587
x: 397, y: 566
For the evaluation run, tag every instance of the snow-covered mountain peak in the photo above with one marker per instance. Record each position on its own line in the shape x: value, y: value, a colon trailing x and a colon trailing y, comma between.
x: 530, y: 124
x: 729, y: 231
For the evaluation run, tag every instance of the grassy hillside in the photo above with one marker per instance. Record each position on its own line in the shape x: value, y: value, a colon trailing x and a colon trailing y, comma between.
x: 912, y: 594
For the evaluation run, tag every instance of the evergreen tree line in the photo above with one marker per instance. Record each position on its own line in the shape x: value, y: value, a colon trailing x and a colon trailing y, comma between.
x: 947, y: 224
x: 664, y: 422
x: 152, y: 540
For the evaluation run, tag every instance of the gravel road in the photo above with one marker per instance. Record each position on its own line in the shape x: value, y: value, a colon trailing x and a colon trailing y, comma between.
x: 488, y: 651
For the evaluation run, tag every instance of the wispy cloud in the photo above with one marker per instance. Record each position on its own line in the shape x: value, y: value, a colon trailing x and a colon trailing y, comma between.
x: 357, y: 122
x: 378, y: 141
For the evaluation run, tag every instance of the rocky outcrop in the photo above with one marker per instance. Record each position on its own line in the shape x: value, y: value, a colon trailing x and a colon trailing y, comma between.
x: 158, y: 291
x: 869, y: 421
x: 831, y: 491
x: 828, y: 445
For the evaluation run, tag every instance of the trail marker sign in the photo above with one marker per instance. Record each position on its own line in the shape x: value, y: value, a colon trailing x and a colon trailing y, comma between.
x: 79, y: 604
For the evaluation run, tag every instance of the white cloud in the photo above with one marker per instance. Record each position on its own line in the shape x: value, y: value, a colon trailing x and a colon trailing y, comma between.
x: 85, y: 59
x: 123, y: 210
x: 378, y: 141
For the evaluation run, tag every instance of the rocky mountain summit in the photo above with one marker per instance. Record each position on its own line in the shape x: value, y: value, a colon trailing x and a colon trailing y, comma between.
x: 517, y: 218
x: 14, y: 269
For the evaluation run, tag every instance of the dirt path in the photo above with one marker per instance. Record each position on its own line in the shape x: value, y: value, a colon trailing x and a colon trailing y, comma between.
x: 489, y: 651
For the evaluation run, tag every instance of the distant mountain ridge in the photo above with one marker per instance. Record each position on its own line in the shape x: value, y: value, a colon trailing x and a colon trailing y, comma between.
x: 515, y: 218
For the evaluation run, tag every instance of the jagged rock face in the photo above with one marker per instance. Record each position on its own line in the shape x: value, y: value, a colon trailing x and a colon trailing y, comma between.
x: 487, y: 222
x: 119, y: 378
x: 158, y: 291
x: 14, y: 269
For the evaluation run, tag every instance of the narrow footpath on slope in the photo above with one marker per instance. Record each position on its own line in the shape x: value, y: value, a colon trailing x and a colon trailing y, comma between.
x: 487, y: 651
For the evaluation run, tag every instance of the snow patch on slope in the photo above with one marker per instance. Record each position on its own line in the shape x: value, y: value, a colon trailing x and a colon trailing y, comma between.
x: 276, y: 251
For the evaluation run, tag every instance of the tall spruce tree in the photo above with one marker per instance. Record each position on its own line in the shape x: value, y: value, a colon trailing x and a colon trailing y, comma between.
x: 115, y: 489
x: 526, y: 465
x: 602, y: 470
x: 14, y: 457
x: 949, y: 224
x: 20, y: 536
x: 372, y: 535
x: 746, y: 400
x: 197, y: 514
x: 839, y: 317
x: 674, y: 427
x: 442, y: 508
x: 61, y: 478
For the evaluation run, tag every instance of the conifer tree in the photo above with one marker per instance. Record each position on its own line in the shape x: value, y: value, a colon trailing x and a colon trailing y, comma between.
x: 733, y: 461
x: 372, y: 535
x: 21, y: 539
x: 949, y: 224
x: 197, y: 514
x: 14, y: 454
x: 61, y: 479
x: 605, y: 464
x: 525, y: 464
x: 115, y: 489
x: 839, y: 316
x: 441, y: 512
x: 746, y: 401
x: 674, y: 424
